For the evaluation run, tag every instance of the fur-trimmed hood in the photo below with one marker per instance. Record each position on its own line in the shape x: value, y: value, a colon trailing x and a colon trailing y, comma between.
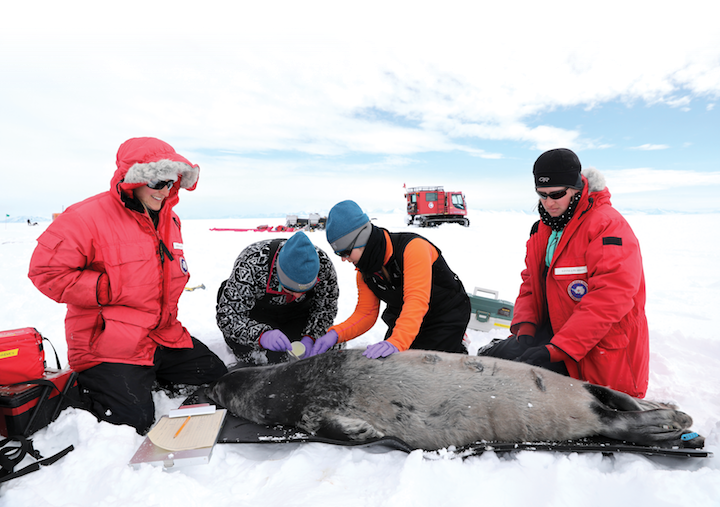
x: 141, y: 160
x: 596, y: 180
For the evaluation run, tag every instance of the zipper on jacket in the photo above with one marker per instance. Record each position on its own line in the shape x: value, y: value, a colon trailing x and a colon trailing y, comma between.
x: 164, y: 248
x: 98, y: 327
x: 591, y: 201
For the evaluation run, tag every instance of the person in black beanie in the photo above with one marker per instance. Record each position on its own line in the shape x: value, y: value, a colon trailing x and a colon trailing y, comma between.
x: 581, y: 308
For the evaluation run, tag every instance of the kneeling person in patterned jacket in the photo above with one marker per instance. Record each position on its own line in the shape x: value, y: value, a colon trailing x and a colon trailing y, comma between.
x: 280, y: 291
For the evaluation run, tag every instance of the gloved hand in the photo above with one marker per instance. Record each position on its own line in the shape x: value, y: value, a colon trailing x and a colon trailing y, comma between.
x: 275, y: 340
x: 536, y: 356
x: 323, y: 343
x: 382, y: 349
x: 309, y: 343
x: 526, y: 340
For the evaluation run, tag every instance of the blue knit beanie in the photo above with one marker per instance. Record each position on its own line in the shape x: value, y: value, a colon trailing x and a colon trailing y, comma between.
x: 346, y: 223
x: 298, y: 263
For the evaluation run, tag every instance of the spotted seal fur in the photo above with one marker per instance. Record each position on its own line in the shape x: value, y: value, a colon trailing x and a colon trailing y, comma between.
x: 432, y: 400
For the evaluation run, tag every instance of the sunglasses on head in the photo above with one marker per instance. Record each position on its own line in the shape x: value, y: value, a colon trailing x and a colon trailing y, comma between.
x: 159, y: 185
x: 348, y: 250
x: 553, y: 195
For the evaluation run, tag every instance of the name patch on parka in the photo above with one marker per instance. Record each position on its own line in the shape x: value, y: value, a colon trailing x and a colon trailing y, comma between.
x: 574, y: 270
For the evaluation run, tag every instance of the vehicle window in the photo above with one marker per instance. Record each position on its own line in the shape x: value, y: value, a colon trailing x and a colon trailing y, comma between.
x: 457, y: 201
x: 431, y: 196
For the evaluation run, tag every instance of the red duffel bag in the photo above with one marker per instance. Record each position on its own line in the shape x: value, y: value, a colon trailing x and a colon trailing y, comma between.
x: 21, y: 355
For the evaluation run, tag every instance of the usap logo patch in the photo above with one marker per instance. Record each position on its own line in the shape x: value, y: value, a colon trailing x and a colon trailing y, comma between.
x: 183, y: 265
x: 577, y: 289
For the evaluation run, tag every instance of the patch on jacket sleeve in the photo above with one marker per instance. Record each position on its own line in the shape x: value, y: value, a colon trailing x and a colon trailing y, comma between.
x: 612, y: 240
x: 577, y: 289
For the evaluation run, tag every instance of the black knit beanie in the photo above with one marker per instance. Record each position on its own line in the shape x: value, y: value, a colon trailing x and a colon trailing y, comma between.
x: 557, y: 168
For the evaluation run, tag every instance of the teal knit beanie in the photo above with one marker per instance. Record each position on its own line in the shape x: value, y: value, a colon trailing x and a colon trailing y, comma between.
x: 298, y: 263
x: 344, y: 224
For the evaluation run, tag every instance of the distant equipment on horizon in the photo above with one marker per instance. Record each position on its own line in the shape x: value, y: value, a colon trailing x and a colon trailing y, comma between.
x: 293, y: 223
x: 313, y: 222
x: 432, y: 206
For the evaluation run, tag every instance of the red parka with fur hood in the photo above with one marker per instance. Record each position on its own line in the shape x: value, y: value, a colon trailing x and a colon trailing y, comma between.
x: 595, y: 293
x: 144, y: 265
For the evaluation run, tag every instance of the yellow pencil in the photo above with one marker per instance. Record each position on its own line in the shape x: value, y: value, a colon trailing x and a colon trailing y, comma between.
x: 181, y: 427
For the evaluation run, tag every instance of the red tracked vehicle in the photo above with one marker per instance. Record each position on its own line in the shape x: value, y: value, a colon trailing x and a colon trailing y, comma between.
x: 431, y: 206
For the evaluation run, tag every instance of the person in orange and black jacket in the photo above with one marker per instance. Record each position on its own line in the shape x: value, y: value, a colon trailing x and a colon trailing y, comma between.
x: 581, y: 308
x: 117, y: 260
x: 427, y: 306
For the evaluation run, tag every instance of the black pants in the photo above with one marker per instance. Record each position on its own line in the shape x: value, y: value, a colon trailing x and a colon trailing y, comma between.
x: 511, y: 349
x: 122, y: 393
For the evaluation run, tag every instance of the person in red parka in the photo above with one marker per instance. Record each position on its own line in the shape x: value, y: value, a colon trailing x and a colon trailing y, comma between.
x: 581, y: 308
x: 116, y: 259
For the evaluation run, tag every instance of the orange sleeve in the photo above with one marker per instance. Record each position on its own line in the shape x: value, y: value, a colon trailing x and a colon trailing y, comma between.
x: 418, y: 259
x: 365, y: 314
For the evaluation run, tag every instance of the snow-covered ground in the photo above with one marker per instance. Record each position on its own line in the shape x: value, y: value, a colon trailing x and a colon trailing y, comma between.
x: 681, y: 255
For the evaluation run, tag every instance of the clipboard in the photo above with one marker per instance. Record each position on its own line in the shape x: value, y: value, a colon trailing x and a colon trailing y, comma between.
x: 198, y: 431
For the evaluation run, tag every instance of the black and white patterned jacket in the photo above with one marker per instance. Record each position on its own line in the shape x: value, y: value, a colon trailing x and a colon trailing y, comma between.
x: 246, y: 285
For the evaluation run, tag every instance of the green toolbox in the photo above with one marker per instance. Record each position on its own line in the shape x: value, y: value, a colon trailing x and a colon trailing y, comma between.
x: 489, y: 312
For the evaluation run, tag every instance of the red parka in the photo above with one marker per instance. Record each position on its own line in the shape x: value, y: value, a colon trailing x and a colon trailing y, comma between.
x: 595, y: 293
x: 145, y: 266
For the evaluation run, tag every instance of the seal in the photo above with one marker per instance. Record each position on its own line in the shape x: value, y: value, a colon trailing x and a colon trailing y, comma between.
x: 432, y: 400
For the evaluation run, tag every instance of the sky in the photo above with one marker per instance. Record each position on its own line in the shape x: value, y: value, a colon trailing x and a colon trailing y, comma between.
x: 290, y: 107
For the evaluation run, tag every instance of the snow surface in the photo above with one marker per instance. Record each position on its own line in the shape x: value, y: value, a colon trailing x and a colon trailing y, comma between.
x: 680, y: 253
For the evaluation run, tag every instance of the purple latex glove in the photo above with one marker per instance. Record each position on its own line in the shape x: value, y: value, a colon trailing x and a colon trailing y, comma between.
x: 275, y: 340
x: 382, y: 349
x: 308, y: 342
x: 323, y: 343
